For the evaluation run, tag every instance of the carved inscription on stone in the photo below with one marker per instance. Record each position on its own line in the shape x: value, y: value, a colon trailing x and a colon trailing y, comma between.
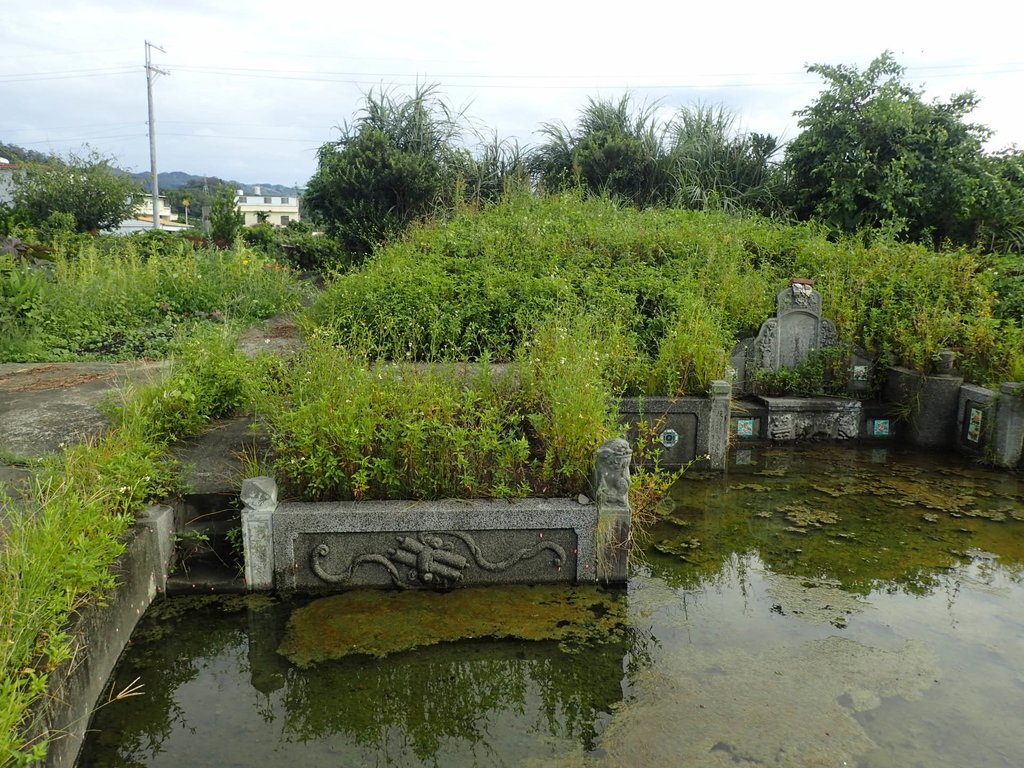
x: 430, y: 559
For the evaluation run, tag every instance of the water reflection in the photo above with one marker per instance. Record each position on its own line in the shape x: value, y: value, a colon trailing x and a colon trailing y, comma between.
x: 838, y: 516
x: 811, y: 607
x: 212, y: 673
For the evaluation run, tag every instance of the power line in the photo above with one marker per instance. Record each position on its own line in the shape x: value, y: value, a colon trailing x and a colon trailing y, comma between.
x: 67, y: 74
x: 80, y: 138
x: 42, y: 54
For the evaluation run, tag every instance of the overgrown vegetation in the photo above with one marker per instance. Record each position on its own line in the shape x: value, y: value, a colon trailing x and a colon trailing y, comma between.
x: 672, y: 290
x: 346, y: 428
x: 62, y: 538
x: 114, y: 298
x: 478, y: 342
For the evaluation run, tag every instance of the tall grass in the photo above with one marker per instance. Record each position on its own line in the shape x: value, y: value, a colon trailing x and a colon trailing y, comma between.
x: 677, y: 284
x: 344, y: 427
x: 63, y: 536
x: 115, y: 298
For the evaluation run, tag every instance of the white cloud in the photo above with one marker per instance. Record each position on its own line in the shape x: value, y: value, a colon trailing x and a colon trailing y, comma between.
x: 256, y: 87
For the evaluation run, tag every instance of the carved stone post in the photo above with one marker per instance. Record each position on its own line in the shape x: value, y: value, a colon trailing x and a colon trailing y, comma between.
x: 259, y: 497
x: 611, y: 482
x: 718, y: 424
x: 1008, y: 438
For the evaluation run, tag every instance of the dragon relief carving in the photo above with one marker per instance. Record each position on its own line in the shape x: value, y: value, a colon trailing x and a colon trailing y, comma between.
x: 429, y: 560
x: 766, y: 344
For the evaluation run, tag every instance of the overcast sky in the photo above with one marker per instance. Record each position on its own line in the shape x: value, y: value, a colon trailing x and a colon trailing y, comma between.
x: 254, y: 88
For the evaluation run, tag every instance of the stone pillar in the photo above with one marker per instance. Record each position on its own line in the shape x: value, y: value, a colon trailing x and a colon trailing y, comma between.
x: 259, y: 497
x: 718, y: 424
x: 927, y: 405
x: 158, y: 521
x: 611, y: 480
x: 1008, y: 430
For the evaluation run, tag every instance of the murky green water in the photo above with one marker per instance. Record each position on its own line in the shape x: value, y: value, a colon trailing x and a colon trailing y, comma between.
x: 814, y: 607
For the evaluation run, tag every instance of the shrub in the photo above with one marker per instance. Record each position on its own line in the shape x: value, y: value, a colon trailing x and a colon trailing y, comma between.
x: 117, y: 298
x: 344, y: 427
x: 677, y: 286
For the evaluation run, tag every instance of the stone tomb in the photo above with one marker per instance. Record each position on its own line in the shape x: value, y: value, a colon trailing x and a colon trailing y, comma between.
x: 440, y: 544
x: 785, y: 340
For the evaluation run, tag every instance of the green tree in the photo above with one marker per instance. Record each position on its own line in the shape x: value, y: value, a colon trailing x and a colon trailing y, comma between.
x: 396, y: 162
x: 1000, y: 223
x: 872, y: 153
x: 716, y: 166
x: 226, y: 221
x: 615, y: 149
x: 88, y: 188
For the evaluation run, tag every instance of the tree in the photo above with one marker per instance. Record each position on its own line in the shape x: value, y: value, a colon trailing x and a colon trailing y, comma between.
x: 716, y: 166
x: 393, y: 164
x: 615, y: 149
x: 1000, y: 223
x: 226, y: 221
x: 873, y: 153
x: 88, y: 188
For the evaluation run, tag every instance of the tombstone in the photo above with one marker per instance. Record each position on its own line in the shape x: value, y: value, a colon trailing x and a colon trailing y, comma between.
x: 785, y: 340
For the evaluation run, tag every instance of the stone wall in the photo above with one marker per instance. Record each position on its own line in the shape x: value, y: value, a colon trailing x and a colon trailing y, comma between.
x: 100, y: 633
x: 681, y: 429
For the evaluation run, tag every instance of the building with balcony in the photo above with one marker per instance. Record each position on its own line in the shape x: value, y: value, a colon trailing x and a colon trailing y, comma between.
x: 273, y: 209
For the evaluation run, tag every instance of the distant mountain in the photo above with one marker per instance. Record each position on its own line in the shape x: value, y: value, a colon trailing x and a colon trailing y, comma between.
x: 17, y: 154
x: 168, y: 180
x: 180, y: 179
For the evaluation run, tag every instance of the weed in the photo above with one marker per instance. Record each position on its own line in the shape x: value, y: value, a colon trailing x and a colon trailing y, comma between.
x: 680, y: 287
x: 118, y: 298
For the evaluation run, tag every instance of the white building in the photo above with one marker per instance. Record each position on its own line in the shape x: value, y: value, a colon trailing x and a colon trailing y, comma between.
x: 274, y: 209
x: 7, y: 169
x: 142, y: 220
x: 144, y: 207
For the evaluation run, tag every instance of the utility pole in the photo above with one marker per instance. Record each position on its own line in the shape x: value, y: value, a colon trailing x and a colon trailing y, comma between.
x: 151, y: 73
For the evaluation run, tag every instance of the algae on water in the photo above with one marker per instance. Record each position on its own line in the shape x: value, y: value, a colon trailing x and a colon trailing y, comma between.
x: 377, y: 623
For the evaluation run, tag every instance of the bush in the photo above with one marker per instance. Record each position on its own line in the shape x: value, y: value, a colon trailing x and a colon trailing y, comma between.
x: 114, y: 298
x: 678, y: 288
x: 298, y: 246
x: 346, y: 428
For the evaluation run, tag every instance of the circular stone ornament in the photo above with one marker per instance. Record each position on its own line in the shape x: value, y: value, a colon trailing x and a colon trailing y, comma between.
x: 669, y: 438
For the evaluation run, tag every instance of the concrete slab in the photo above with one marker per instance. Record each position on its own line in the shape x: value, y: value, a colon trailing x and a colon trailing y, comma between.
x: 278, y: 335
x: 45, y: 405
x: 213, y: 461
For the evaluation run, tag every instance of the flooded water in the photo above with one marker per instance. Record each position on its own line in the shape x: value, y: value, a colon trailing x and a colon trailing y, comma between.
x: 813, y: 607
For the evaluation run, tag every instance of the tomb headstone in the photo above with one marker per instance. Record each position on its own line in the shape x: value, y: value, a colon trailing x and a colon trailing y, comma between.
x: 785, y: 341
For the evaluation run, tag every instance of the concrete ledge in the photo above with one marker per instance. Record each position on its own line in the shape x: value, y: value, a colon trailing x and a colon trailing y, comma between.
x: 430, y: 544
x: 101, y: 633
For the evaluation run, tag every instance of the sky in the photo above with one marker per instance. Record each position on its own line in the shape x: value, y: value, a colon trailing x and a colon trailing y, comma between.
x: 254, y: 88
